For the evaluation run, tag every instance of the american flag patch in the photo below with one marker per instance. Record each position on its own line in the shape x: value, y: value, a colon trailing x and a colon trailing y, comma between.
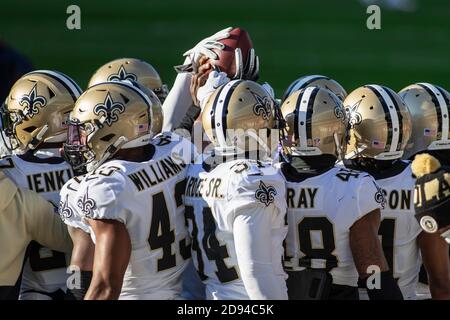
x: 377, y: 144
x: 316, y: 142
x: 427, y: 132
x: 143, y: 127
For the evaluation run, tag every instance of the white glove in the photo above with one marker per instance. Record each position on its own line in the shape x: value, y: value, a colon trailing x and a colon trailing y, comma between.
x: 269, y: 89
x: 205, y: 48
x: 214, y: 81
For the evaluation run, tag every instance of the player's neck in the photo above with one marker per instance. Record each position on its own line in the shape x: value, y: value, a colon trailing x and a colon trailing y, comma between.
x: 313, y: 164
x: 369, y: 164
x: 139, y: 154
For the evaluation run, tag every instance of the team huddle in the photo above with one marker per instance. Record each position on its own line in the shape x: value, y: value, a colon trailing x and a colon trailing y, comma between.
x: 216, y: 189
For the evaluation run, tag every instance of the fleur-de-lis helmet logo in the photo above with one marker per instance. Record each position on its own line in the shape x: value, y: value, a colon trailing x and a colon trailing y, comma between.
x: 353, y: 115
x: 263, y: 106
x: 86, y: 204
x: 121, y: 75
x: 265, y: 194
x: 64, y: 210
x: 32, y: 102
x: 109, y: 109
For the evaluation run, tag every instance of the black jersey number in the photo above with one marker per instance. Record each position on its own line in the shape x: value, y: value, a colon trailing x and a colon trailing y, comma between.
x: 387, y: 233
x: 325, y: 227
x: 162, y: 236
x: 41, y: 262
x: 211, y: 246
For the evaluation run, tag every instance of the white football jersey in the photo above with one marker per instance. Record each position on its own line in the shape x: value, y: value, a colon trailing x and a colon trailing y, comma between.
x: 399, y: 229
x: 213, y: 200
x: 147, y: 198
x: 321, y: 210
x: 44, y: 172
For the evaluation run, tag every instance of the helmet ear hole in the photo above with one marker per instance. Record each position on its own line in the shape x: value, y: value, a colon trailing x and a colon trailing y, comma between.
x: 29, y: 129
x: 108, y: 137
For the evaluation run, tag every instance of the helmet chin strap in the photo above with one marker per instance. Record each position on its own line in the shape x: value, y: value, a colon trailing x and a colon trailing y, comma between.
x: 39, y: 138
x: 58, y: 138
x: 111, y: 150
x: 355, y: 153
x: 339, y: 147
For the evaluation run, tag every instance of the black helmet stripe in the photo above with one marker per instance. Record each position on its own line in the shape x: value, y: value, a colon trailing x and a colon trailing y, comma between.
x: 400, y: 118
x: 296, y: 116
x: 447, y: 102
x: 305, y: 111
x: 387, y: 114
x: 73, y: 89
x: 220, y: 108
x: 213, y: 112
x: 309, y: 113
x: 302, y: 83
x: 436, y: 103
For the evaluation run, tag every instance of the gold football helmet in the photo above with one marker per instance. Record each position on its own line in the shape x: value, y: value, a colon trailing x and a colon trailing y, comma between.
x: 236, y: 114
x: 380, y: 124
x: 316, y: 123
x: 429, y: 106
x: 157, y: 113
x: 131, y: 69
x: 316, y: 81
x: 106, y: 118
x: 36, y: 109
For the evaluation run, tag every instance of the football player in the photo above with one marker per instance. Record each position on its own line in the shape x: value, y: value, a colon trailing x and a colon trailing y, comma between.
x: 25, y: 216
x: 235, y: 204
x: 143, y: 76
x: 131, y: 199
x: 333, y: 213
x: 380, y: 129
x: 429, y: 106
x: 34, y: 123
x: 315, y: 81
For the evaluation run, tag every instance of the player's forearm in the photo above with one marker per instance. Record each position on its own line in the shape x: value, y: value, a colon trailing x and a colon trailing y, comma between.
x: 177, y: 102
x: 83, y: 249
x: 440, y: 290
x: 103, y: 289
x: 112, y: 254
x: 366, y: 246
x: 434, y: 250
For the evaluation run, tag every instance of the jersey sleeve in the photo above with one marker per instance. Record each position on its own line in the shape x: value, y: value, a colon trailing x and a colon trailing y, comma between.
x: 253, y: 188
x: 177, y: 101
x: 103, y: 197
x: 252, y: 237
x: 67, y: 209
x: 369, y: 196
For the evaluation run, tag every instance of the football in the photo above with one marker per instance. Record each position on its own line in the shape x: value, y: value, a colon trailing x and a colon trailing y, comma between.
x: 238, y: 38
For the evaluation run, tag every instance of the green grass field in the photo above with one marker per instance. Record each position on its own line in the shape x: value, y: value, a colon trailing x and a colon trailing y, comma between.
x: 292, y: 38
